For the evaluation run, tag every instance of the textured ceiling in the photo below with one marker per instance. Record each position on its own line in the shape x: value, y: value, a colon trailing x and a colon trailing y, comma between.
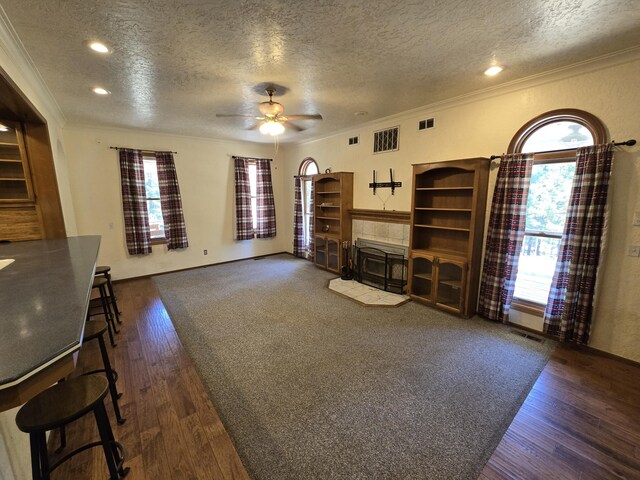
x: 175, y: 64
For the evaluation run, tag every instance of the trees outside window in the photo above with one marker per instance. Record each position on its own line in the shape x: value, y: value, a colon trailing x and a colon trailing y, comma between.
x: 154, y: 207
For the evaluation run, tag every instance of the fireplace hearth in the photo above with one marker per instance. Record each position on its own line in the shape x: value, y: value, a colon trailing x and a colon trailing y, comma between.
x: 381, y: 265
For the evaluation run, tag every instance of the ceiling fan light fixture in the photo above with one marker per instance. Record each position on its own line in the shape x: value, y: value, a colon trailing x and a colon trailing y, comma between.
x: 270, y: 108
x: 271, y: 128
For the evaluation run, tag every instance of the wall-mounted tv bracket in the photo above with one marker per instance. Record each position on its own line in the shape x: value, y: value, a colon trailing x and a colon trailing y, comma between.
x: 392, y: 185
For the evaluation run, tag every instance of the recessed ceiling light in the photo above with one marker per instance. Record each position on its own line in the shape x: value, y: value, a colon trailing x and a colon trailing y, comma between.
x: 101, y: 91
x: 491, y: 71
x: 99, y: 47
x: 3, y: 128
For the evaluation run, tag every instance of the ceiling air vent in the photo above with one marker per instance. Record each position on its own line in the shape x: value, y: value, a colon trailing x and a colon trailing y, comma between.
x: 386, y: 140
x: 354, y: 140
x: 428, y: 123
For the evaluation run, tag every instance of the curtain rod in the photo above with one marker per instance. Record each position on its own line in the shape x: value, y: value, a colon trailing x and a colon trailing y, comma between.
x: 144, y: 151
x: 233, y: 157
x: 628, y: 143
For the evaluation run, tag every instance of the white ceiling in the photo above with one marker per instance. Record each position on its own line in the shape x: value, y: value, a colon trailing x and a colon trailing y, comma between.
x: 175, y: 64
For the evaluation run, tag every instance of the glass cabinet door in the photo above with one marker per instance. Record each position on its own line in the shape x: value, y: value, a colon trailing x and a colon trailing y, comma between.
x: 422, y: 277
x: 321, y: 252
x: 450, y: 292
x: 333, y: 254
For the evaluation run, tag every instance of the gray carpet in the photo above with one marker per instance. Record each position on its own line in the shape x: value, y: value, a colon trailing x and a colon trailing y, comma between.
x: 311, y: 385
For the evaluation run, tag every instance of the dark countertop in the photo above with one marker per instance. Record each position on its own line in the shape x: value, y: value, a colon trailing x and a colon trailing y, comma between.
x: 43, y: 302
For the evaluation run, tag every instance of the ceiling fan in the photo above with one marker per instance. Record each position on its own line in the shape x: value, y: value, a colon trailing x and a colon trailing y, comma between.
x: 273, y: 122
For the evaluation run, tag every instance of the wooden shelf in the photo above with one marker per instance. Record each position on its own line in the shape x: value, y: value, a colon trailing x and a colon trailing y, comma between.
x: 433, y: 189
x: 10, y: 160
x: 13, y: 179
x: 447, y: 254
x: 8, y: 144
x: 431, y: 209
x: 457, y: 284
x: 336, y: 189
x: 423, y: 276
x: 448, y: 209
x: 443, y: 228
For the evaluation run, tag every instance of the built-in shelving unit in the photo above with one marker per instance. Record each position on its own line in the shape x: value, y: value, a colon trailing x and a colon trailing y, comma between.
x: 15, y: 183
x: 333, y: 197
x: 447, y: 223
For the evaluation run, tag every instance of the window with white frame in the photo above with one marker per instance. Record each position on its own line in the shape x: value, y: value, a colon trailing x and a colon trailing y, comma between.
x: 553, y: 138
x: 154, y: 207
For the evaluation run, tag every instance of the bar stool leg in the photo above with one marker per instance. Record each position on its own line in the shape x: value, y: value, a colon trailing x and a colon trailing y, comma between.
x: 116, y: 453
x: 63, y: 439
x: 44, y: 459
x: 35, y: 456
x: 104, y: 428
x: 112, y: 296
x: 107, y: 317
x: 106, y: 308
x: 112, y: 382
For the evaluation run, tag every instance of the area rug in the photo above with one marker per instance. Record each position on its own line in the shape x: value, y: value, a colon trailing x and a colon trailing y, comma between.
x: 311, y: 385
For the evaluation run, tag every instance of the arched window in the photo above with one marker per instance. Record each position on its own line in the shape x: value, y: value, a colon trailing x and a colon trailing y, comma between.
x: 553, y: 137
x: 558, y: 130
x: 308, y: 167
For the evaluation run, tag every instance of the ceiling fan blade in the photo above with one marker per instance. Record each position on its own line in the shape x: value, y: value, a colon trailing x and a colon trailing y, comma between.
x: 292, y: 126
x: 256, y: 126
x: 315, y: 116
x: 233, y: 115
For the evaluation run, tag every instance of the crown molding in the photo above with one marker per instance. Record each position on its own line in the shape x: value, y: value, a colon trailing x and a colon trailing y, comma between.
x: 14, y: 49
x: 575, y: 69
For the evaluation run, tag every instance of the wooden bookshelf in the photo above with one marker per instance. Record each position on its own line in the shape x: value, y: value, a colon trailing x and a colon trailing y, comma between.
x: 333, y: 197
x: 447, y: 223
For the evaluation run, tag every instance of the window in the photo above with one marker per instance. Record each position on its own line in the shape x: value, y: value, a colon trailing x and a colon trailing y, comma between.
x: 308, y: 168
x: 555, y: 136
x: 255, y: 213
x: 547, y: 203
x: 154, y: 207
x: 253, y: 185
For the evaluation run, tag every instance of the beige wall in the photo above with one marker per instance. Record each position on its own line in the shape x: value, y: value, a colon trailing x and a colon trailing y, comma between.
x: 205, y: 174
x: 482, y: 125
x: 13, y: 62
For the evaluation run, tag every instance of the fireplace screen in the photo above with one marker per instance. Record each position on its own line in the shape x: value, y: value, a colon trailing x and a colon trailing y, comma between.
x: 380, y: 269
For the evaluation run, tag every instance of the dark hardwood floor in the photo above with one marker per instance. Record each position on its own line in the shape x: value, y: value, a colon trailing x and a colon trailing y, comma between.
x: 580, y: 421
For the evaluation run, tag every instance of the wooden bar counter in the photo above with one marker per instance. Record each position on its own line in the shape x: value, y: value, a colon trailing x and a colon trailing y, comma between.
x: 44, y: 295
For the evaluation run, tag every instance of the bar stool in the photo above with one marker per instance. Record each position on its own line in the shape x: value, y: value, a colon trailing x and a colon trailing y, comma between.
x: 94, y: 330
x: 105, y: 271
x: 101, y: 284
x: 60, y: 405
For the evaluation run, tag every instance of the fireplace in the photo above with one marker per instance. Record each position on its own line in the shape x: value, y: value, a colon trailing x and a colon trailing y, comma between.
x: 381, y: 265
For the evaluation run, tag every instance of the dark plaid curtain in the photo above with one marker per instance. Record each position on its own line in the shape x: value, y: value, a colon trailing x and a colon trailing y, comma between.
x: 244, y: 218
x: 134, y: 202
x: 507, y: 223
x: 298, y: 227
x: 266, y: 210
x: 174, y: 228
x: 310, y: 245
x: 570, y: 305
